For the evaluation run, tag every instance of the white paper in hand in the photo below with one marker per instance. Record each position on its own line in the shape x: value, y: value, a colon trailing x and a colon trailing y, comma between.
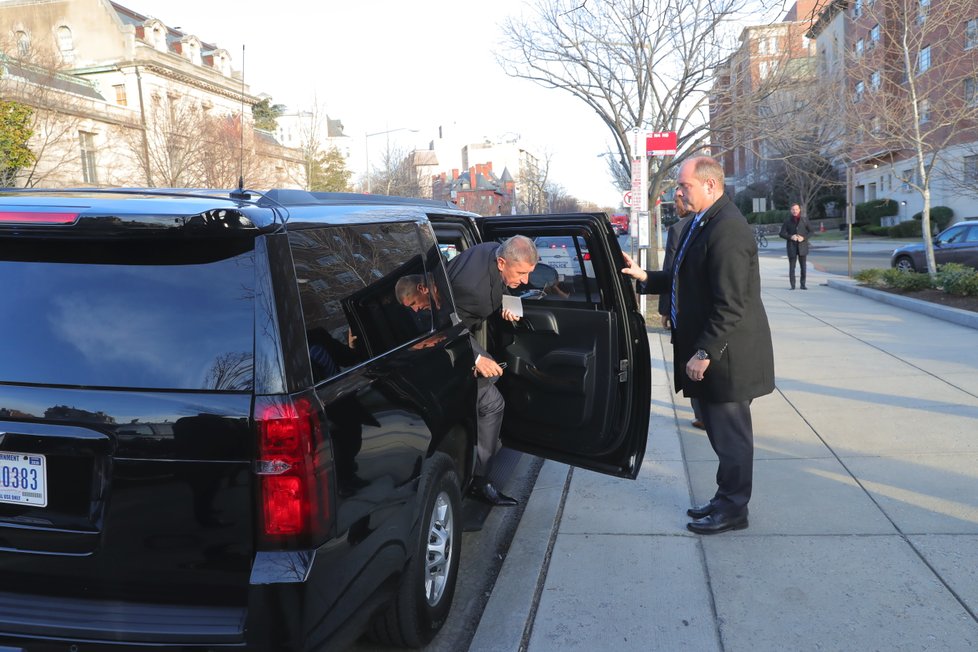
x: 513, y: 304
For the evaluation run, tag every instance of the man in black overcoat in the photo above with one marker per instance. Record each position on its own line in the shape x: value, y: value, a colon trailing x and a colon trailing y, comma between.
x: 796, y: 230
x: 720, y: 334
x: 477, y: 277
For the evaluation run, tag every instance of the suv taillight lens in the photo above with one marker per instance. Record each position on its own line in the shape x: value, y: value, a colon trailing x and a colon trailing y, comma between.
x: 36, y: 217
x: 293, y: 481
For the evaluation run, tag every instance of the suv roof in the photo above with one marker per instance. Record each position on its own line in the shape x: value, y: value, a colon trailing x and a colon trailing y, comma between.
x: 88, y: 212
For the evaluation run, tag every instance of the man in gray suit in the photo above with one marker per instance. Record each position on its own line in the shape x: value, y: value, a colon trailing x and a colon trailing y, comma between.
x: 478, y: 276
x: 720, y: 334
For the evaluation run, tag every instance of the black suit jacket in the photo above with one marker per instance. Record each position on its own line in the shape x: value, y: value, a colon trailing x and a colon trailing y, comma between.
x: 720, y: 309
x: 803, y: 228
x: 477, y: 286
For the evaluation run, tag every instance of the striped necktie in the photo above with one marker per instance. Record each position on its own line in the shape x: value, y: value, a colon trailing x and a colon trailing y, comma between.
x: 673, y: 307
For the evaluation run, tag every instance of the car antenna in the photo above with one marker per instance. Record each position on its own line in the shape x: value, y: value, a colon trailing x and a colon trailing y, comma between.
x: 240, y: 193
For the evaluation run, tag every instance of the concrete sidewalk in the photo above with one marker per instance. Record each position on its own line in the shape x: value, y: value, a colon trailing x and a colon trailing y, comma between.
x: 864, y: 521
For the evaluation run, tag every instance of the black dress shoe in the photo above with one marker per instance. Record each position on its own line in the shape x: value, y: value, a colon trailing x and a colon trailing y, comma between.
x: 487, y: 493
x: 701, y: 510
x: 718, y: 522
x: 698, y: 424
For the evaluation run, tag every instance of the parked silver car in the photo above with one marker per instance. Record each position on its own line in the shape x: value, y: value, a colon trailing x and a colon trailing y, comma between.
x: 957, y: 243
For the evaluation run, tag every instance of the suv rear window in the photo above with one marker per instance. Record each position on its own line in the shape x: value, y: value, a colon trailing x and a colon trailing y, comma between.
x: 97, y: 314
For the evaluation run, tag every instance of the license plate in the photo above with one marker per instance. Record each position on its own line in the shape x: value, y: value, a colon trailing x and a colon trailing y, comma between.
x: 23, y: 479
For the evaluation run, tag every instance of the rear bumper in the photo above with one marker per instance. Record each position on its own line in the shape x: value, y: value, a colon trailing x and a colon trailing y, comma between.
x: 36, y: 618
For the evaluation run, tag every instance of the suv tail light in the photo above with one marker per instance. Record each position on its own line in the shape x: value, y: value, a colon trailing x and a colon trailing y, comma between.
x: 35, y: 217
x: 293, y: 472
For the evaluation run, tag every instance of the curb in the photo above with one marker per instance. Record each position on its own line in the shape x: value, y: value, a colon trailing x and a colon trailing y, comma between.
x: 512, y: 602
x: 946, y: 313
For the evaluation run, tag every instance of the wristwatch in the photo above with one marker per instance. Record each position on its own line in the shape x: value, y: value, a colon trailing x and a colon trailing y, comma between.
x: 702, y: 355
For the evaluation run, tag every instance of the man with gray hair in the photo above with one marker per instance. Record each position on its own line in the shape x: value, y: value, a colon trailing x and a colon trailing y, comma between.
x: 477, y: 276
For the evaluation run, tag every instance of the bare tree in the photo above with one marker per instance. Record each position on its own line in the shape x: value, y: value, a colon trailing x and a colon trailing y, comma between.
x: 31, y: 77
x: 559, y: 200
x: 645, y: 64
x: 396, y: 175
x: 171, y: 155
x: 913, y: 94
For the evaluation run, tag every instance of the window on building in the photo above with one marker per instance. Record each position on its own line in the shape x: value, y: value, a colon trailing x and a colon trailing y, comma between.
x: 763, y: 68
x: 23, y: 43
x: 860, y: 89
x: 971, y: 91
x: 876, y: 125
x: 66, y: 44
x: 860, y: 46
x: 905, y: 178
x: 857, y: 8
x: 86, y: 141
x: 922, y: 9
x: 874, y: 80
x: 971, y: 33
x: 924, y: 110
x: 971, y: 168
x: 120, y: 95
x: 923, y: 60
x: 874, y: 36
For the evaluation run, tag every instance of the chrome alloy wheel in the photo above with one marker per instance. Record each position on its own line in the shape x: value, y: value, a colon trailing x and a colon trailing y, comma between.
x: 441, y: 549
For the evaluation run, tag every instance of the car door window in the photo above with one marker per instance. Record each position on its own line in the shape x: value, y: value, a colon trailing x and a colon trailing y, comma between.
x: 972, y: 235
x: 952, y: 236
x: 347, y: 277
x: 570, y: 258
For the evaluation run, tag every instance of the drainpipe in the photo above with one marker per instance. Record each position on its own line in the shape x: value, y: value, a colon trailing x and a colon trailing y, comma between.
x: 142, y: 117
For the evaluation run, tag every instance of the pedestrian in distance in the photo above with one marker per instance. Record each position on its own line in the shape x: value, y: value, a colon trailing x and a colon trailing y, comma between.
x: 672, y: 242
x: 796, y: 230
x: 721, y: 338
x: 478, y: 276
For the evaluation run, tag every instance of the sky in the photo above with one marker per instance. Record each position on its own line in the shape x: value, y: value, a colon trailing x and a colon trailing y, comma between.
x: 381, y: 65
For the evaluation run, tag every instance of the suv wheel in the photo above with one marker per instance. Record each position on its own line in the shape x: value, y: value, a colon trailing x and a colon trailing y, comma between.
x: 427, y: 587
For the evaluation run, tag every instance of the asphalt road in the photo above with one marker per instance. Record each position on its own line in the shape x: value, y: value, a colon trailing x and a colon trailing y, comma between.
x: 482, y: 556
x: 835, y: 260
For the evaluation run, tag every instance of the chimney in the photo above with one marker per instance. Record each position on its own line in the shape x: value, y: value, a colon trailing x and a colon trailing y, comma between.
x: 472, y: 177
x: 454, y: 174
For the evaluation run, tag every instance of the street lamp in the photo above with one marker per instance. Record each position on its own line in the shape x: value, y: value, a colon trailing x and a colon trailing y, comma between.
x: 366, y: 150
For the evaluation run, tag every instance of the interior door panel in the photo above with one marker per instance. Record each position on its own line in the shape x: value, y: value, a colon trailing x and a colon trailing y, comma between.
x: 561, y: 381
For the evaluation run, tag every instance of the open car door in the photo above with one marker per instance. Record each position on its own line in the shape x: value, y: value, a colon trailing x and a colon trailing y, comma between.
x: 577, y: 382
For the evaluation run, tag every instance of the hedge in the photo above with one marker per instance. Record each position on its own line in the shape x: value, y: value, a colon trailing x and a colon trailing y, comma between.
x: 940, y: 216
x: 768, y: 217
x: 871, y: 212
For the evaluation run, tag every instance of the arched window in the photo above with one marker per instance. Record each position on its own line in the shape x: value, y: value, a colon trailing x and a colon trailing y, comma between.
x: 23, y: 43
x: 66, y: 44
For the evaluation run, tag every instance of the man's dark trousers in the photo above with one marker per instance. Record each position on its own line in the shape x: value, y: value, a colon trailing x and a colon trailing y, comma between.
x: 792, y: 255
x: 728, y: 425
x: 491, y: 407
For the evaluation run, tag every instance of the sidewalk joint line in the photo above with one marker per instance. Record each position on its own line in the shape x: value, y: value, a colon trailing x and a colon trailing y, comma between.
x: 545, y: 566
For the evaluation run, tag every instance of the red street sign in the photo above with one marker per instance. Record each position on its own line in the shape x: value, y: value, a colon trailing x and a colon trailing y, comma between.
x: 660, y: 143
x: 626, y: 199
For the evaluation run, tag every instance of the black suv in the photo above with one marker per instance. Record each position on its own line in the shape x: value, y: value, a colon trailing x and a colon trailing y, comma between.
x: 219, y: 428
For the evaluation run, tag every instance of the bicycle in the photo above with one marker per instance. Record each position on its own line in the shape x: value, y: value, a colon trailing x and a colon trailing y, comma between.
x: 760, y: 237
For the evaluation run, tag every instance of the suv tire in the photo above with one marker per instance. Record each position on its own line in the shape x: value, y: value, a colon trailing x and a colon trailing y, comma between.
x: 427, y: 586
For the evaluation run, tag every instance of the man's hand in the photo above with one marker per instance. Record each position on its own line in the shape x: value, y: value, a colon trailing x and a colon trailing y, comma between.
x: 486, y: 366
x: 696, y: 368
x: 509, y: 315
x: 664, y: 320
x: 633, y: 269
